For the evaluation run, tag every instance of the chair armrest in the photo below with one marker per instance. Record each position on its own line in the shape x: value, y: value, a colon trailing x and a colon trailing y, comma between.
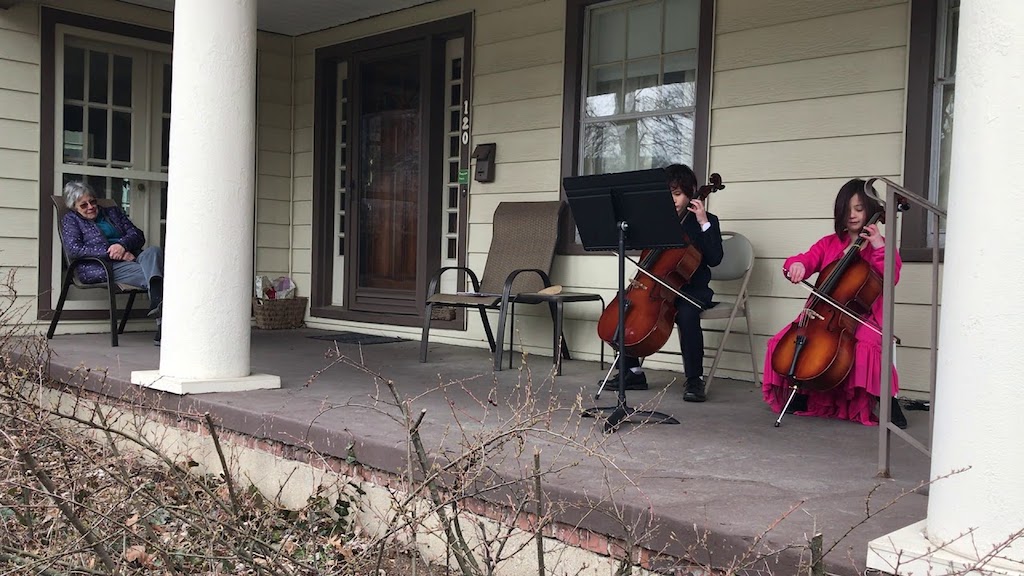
x: 105, y: 262
x: 506, y: 292
x: 436, y: 279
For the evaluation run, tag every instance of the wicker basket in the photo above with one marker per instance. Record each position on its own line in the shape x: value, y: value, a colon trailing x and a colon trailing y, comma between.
x: 279, y: 314
x: 442, y: 313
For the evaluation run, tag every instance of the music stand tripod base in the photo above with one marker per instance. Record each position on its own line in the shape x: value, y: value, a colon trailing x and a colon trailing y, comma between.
x: 627, y: 412
x: 623, y: 413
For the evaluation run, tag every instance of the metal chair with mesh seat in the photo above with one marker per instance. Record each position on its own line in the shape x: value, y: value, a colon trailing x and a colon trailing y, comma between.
x: 71, y: 279
x: 737, y: 263
x: 518, y: 264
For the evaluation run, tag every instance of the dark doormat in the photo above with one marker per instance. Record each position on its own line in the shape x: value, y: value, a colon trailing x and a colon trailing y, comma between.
x: 356, y: 338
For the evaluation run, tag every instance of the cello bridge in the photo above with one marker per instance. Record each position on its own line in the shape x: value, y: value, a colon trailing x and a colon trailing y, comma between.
x: 810, y: 313
x: 634, y: 284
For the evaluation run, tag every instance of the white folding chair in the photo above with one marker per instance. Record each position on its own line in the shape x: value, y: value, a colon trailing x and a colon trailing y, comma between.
x: 737, y: 263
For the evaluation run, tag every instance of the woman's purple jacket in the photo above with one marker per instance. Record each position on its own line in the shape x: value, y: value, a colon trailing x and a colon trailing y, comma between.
x: 83, y: 237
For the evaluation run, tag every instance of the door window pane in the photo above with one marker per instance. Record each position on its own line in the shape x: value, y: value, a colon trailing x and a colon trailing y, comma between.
x: 163, y: 213
x: 98, y: 133
x: 122, y: 81
x: 74, y: 148
x: 74, y: 73
x: 121, y: 137
x: 100, y: 185
x: 166, y: 106
x: 98, y: 62
x: 165, y: 142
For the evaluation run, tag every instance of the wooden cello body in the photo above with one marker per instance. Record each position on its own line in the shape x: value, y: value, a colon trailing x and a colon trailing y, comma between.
x: 650, y: 307
x: 818, y: 350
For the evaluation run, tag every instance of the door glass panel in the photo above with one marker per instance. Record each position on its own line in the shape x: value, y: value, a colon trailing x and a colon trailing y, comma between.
x: 166, y: 105
x: 389, y: 176
x: 165, y: 143
x: 74, y: 73
x: 98, y: 76
x: 163, y: 213
x: 97, y: 133
x: 73, y: 142
x: 122, y: 81
x: 121, y: 137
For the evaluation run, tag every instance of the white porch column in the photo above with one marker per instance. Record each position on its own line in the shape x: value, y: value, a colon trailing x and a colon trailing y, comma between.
x: 208, y: 262
x: 979, y: 406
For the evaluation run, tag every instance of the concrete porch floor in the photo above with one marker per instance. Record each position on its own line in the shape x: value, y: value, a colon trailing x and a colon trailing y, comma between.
x: 724, y: 469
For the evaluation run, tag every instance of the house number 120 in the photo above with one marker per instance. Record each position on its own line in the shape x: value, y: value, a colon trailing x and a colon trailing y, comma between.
x: 465, y: 122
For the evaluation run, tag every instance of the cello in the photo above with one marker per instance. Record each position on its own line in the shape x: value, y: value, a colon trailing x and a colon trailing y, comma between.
x: 817, y: 351
x: 650, y: 298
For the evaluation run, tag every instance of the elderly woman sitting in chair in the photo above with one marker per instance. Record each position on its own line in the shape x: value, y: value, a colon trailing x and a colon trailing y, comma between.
x: 88, y: 230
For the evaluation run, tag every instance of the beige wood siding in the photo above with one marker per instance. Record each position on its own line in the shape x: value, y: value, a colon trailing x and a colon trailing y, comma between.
x: 275, y: 162
x: 19, y: 157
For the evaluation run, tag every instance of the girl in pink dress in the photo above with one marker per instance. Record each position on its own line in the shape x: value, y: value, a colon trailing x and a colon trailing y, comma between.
x: 856, y: 398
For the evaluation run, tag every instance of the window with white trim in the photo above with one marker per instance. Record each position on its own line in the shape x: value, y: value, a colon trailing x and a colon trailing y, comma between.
x: 639, y: 85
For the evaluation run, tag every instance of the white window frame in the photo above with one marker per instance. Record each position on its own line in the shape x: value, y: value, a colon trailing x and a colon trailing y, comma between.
x: 584, y: 120
x: 341, y: 192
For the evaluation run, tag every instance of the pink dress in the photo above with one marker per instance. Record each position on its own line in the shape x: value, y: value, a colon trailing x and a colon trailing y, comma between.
x: 856, y: 397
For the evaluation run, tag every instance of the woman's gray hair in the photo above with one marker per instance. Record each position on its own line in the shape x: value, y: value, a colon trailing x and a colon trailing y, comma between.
x: 74, y: 190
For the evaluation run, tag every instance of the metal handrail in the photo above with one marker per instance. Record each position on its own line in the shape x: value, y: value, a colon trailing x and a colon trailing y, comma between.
x: 885, y: 426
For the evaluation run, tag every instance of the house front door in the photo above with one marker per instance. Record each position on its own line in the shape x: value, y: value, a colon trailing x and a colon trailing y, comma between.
x: 391, y: 157
x: 388, y: 181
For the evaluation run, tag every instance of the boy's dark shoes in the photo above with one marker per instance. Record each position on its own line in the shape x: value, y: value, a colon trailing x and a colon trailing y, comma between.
x: 694, y: 390
x: 634, y: 381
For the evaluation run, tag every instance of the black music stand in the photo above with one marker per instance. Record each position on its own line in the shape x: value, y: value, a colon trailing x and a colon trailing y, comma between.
x: 619, y: 212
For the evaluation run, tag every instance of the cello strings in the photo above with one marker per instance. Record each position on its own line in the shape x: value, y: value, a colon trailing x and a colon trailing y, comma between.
x: 842, y: 309
x: 666, y: 285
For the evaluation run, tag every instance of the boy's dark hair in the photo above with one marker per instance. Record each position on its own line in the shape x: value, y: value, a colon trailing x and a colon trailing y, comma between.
x: 854, y: 187
x: 682, y: 176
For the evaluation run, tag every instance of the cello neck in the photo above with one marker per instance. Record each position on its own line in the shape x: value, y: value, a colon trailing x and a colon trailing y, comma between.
x: 852, y: 252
